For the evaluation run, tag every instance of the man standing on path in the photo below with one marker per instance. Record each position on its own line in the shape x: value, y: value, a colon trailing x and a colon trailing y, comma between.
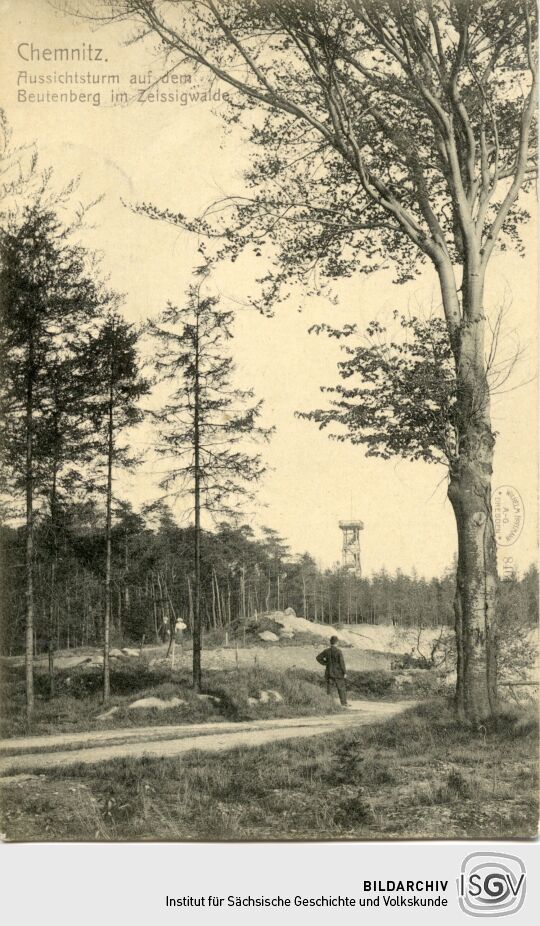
x: 335, y: 671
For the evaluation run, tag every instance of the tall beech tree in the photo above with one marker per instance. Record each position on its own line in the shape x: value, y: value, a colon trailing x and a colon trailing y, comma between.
x: 119, y: 385
x: 383, y: 130
x: 206, y: 421
x: 48, y: 300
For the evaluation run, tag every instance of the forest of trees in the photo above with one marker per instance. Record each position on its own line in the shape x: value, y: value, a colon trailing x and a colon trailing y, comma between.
x: 81, y: 566
x: 152, y: 580
x: 407, y: 135
x: 71, y: 393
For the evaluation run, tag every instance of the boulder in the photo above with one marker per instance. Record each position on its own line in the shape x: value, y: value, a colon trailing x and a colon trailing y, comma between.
x: 115, y: 653
x: 286, y: 634
x: 147, y: 703
x: 133, y: 653
x: 207, y: 697
x: 290, y: 612
x: 268, y: 637
x: 95, y: 662
x: 69, y: 662
x: 107, y: 714
x: 266, y: 696
x: 253, y: 702
x: 402, y: 681
x: 275, y: 696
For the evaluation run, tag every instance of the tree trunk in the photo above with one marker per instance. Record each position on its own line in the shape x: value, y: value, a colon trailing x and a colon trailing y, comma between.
x: 197, y: 629
x: 469, y: 491
x: 190, y: 601
x: 52, y: 601
x: 243, y: 591
x: 29, y: 548
x: 218, y: 599
x: 214, y: 617
x: 125, y: 602
x: 50, y: 630
x: 108, y: 554
x: 154, y: 611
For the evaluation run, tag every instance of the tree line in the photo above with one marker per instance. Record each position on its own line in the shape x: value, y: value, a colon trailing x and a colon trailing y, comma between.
x: 152, y: 582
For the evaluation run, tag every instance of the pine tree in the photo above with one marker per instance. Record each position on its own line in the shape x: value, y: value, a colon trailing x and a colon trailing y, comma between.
x: 113, y: 358
x: 48, y: 300
x: 206, y: 421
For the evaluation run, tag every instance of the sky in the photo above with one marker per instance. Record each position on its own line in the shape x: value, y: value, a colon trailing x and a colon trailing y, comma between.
x: 177, y: 154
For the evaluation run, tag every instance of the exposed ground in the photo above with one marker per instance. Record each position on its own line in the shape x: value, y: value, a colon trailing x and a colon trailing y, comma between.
x: 49, y: 752
x: 416, y: 775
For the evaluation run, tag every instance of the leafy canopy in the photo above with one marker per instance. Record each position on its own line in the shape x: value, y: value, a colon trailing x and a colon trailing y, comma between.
x: 401, y: 129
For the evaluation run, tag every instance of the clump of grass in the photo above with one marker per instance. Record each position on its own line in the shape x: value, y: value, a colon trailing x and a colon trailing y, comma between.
x: 513, y: 722
x: 374, y: 684
x: 455, y: 788
x: 368, y: 683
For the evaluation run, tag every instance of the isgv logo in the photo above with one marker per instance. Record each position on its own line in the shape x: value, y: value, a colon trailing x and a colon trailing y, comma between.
x: 491, y: 884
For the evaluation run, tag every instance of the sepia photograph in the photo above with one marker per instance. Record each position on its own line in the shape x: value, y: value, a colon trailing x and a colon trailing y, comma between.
x: 269, y: 417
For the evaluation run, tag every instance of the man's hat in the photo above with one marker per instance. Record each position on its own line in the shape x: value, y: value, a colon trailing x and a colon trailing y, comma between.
x: 334, y: 640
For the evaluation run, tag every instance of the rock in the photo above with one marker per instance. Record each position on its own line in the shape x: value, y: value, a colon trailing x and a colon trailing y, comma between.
x: 266, y: 696
x: 400, y: 681
x: 107, y: 714
x: 268, y: 636
x: 95, y: 662
x: 134, y: 653
x: 146, y: 703
x: 253, y: 702
x: 290, y: 612
x: 115, y: 653
x: 207, y: 697
x: 69, y: 662
x: 275, y: 696
x: 286, y: 634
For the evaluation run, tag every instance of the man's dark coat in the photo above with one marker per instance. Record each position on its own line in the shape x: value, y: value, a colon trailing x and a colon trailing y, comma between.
x: 332, y: 659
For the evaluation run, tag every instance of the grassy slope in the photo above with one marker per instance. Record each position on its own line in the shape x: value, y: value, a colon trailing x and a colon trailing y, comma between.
x: 417, y: 776
x: 77, y: 704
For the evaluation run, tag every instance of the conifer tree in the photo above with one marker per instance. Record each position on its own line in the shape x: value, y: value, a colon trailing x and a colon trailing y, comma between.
x: 48, y: 299
x: 113, y: 358
x: 206, y: 421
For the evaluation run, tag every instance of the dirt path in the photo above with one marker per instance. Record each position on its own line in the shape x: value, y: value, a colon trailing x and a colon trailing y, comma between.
x: 34, y: 753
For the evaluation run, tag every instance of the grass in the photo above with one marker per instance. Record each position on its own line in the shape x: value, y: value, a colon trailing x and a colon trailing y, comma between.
x: 420, y: 775
x: 77, y: 703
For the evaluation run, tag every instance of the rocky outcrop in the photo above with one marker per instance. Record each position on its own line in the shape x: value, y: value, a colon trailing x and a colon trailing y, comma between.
x: 148, y: 703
